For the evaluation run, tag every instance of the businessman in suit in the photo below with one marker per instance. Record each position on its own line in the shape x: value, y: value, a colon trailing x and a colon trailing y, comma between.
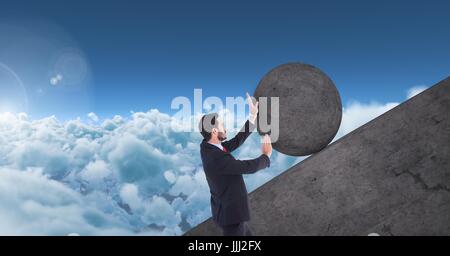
x: 229, y: 199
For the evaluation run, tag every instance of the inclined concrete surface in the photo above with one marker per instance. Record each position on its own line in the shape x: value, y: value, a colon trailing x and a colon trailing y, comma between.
x: 391, y: 176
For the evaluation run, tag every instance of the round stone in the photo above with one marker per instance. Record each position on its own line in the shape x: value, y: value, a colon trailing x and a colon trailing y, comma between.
x: 310, y: 108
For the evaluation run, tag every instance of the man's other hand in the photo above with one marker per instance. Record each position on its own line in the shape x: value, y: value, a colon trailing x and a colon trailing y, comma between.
x: 266, y: 147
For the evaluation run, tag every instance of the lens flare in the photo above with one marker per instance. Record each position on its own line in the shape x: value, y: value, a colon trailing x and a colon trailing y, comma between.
x: 13, y: 95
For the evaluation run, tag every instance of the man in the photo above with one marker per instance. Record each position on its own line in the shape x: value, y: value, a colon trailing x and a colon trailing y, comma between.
x: 229, y: 199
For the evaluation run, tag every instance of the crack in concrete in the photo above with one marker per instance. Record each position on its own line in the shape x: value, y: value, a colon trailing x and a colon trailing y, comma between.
x: 418, y: 179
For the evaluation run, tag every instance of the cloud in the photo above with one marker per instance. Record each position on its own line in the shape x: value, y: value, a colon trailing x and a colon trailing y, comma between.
x: 134, y: 175
x: 413, y: 91
x: 129, y: 195
x: 119, y: 168
x: 356, y: 114
x: 156, y: 210
x: 51, y: 158
x: 33, y: 204
x: 96, y: 171
x: 92, y: 116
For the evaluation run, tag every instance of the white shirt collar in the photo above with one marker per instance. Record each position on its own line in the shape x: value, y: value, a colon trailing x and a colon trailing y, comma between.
x: 217, y: 145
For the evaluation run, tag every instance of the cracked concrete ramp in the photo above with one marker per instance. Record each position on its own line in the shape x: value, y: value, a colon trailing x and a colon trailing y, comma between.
x: 391, y: 176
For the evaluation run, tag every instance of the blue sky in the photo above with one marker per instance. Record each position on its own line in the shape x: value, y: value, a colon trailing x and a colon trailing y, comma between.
x: 141, y: 54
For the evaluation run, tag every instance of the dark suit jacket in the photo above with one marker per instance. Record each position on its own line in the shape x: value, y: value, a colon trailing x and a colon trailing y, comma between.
x: 229, y: 199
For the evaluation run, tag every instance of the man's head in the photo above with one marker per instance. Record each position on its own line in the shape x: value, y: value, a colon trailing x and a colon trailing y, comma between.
x: 211, y: 128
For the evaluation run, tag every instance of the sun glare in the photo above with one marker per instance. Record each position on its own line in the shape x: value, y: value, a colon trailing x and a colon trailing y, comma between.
x: 13, y: 96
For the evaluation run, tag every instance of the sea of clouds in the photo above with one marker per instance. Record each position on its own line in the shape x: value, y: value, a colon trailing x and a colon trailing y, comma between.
x: 134, y: 175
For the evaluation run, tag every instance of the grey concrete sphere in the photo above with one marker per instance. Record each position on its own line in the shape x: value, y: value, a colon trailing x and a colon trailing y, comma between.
x: 310, y: 108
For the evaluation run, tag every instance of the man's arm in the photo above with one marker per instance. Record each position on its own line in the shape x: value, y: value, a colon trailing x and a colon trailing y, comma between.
x: 249, y: 126
x: 240, y: 137
x: 227, y: 164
